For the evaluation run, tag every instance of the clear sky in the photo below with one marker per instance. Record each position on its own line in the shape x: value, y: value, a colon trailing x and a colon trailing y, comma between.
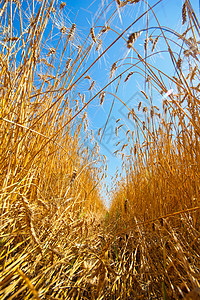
x: 84, y: 14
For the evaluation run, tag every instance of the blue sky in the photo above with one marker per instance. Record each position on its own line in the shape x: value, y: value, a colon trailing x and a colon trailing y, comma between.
x: 84, y: 14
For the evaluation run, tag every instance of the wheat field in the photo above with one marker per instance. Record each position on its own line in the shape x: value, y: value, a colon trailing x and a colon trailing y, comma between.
x: 58, y: 240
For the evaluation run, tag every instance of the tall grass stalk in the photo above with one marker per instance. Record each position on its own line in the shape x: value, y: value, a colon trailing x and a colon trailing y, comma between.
x: 57, y: 241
